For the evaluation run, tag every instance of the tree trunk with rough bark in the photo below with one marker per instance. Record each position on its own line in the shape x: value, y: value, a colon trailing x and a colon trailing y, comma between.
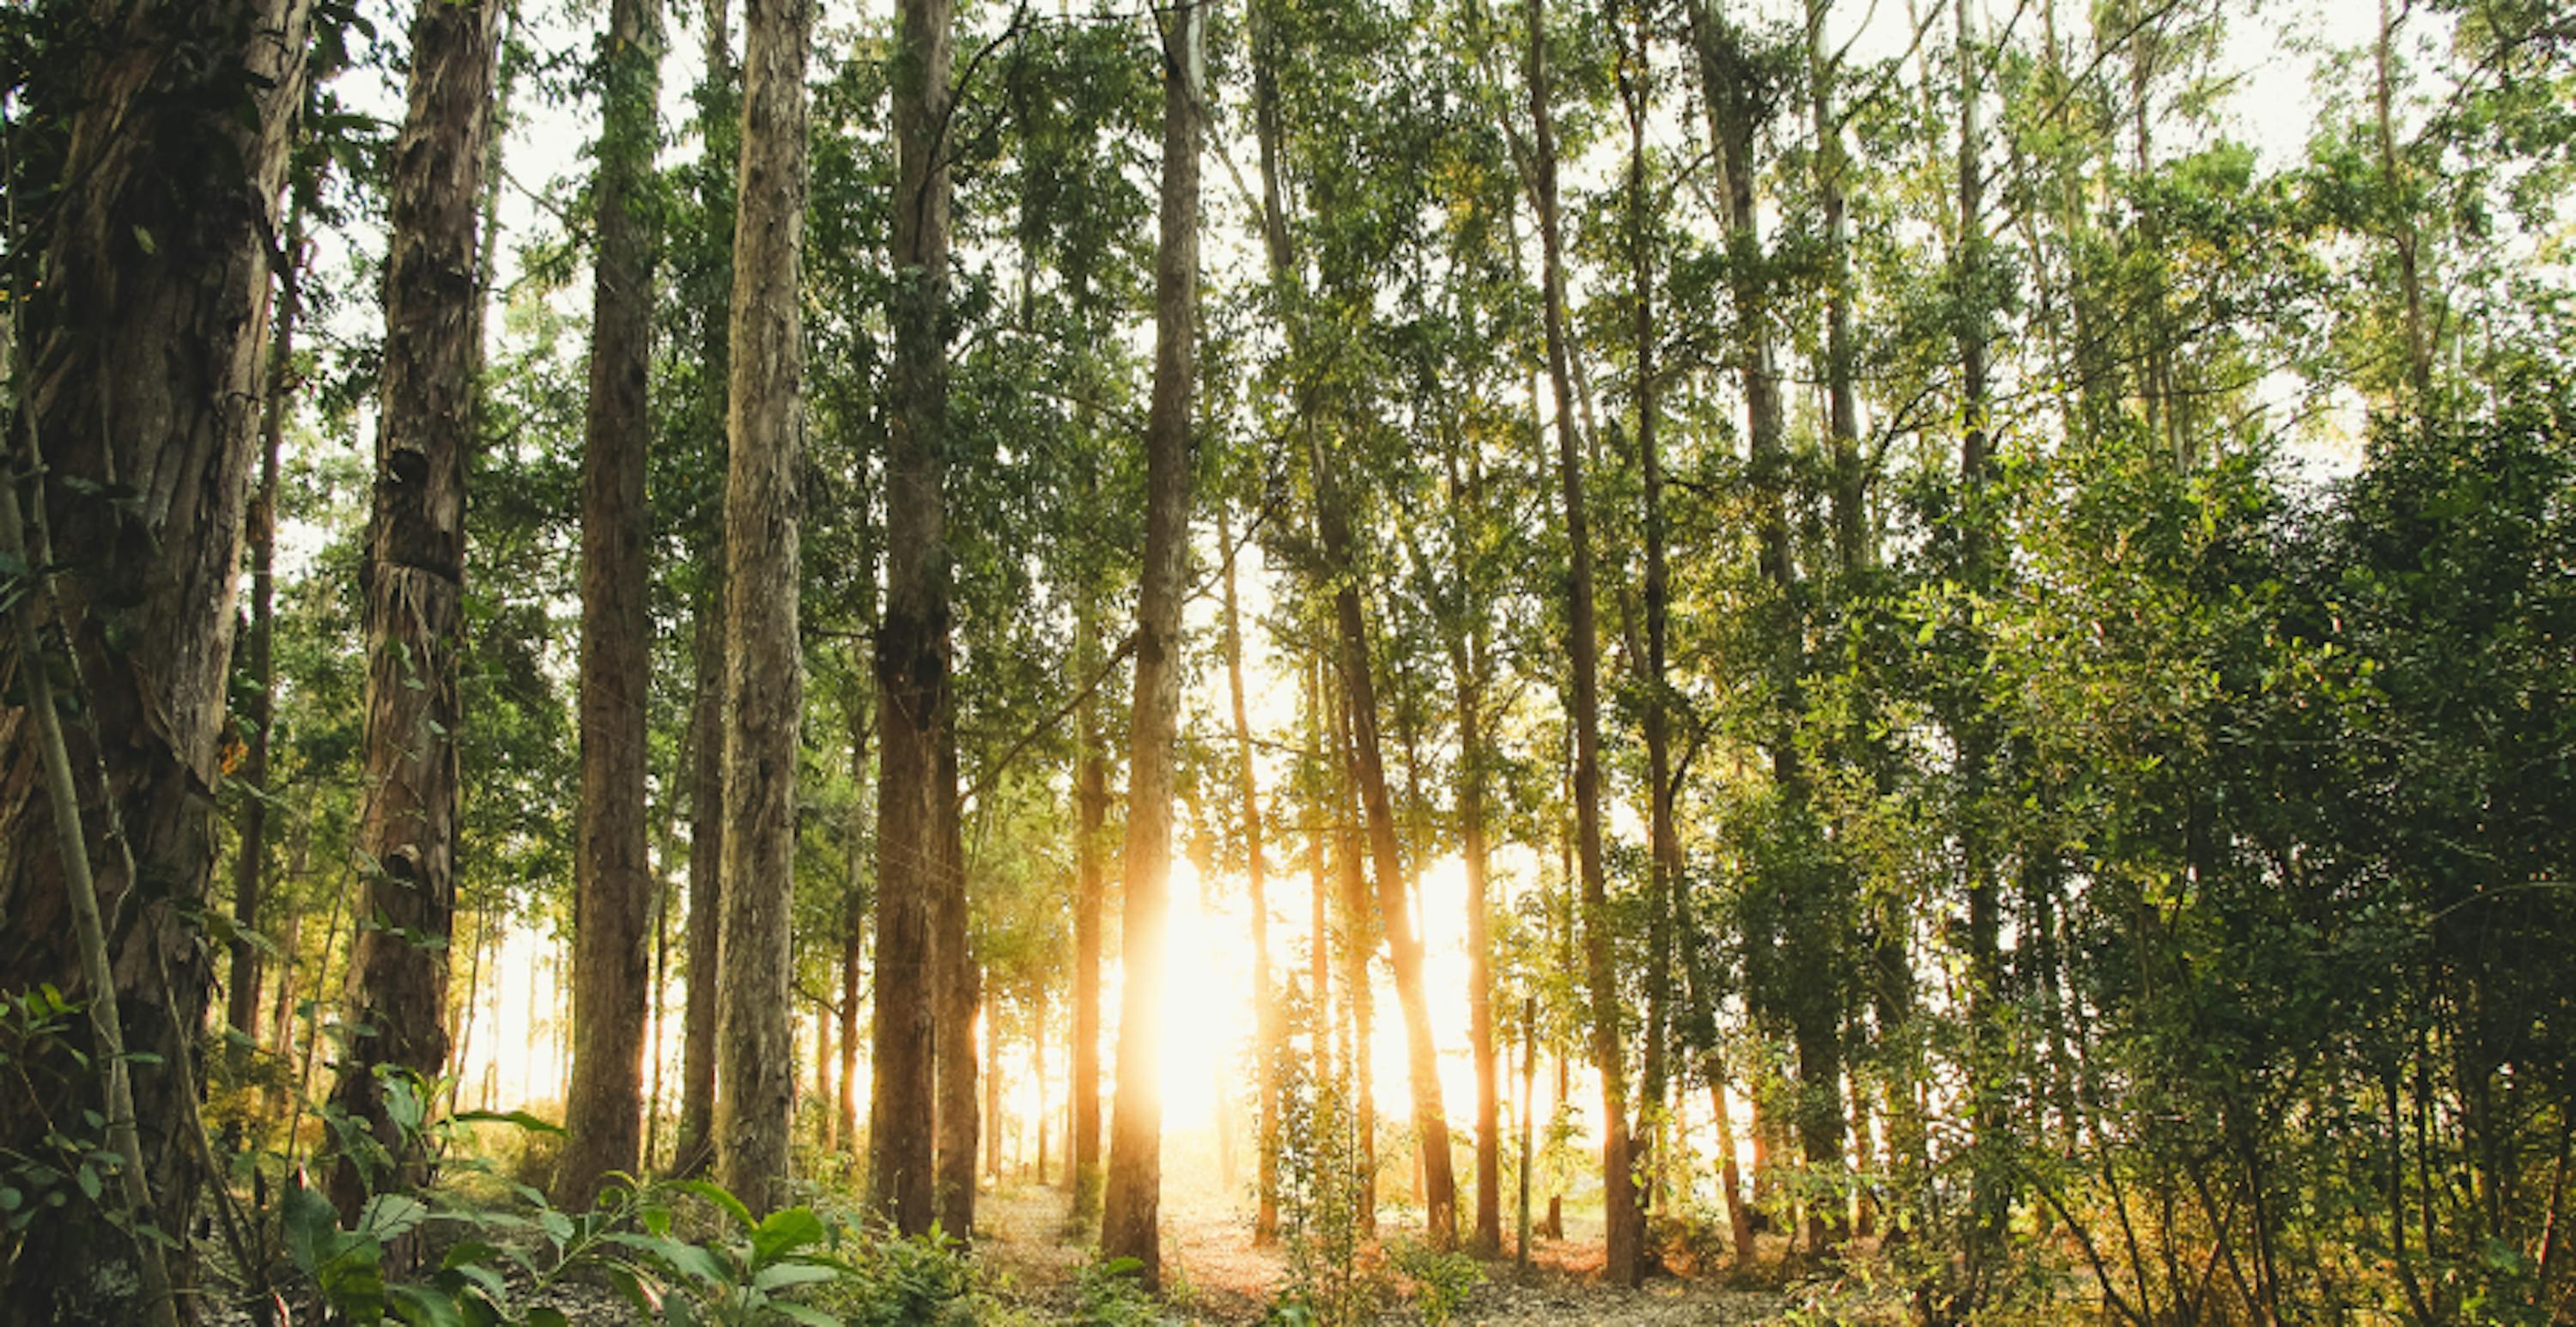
x: 613, y: 886
x: 693, y: 1140
x: 764, y: 676
x: 916, y: 791
x: 1131, y: 1207
x: 414, y: 582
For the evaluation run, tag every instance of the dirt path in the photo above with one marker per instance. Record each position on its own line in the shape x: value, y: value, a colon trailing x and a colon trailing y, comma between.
x: 1216, y: 1276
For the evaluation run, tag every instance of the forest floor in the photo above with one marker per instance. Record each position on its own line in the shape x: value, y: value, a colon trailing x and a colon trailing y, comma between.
x: 1214, y: 1274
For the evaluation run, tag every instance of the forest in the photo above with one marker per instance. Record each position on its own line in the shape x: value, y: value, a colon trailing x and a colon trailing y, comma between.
x: 1304, y: 662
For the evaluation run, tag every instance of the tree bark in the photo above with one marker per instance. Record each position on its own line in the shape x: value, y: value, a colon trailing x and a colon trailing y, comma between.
x: 1130, y: 1225
x: 693, y: 1140
x: 1623, y: 1218
x: 764, y: 678
x: 613, y: 884
x: 414, y: 583
x: 960, y: 993
x: 916, y: 789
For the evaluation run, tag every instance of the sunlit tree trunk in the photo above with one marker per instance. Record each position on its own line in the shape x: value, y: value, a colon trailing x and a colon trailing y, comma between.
x: 764, y: 674
x: 1467, y: 661
x: 1268, y: 1036
x: 1091, y: 814
x: 959, y: 993
x: 613, y: 884
x: 414, y: 582
x: 1130, y: 1225
x: 1624, y: 1219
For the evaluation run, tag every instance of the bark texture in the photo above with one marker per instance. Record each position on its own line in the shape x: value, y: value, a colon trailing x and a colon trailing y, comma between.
x: 141, y: 355
x: 1132, y: 1205
x: 694, y: 1142
x: 917, y: 856
x: 603, y: 1106
x: 413, y: 580
x: 764, y: 677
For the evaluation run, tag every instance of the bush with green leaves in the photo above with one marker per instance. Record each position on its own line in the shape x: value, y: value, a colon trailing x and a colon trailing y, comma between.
x: 1440, y: 1281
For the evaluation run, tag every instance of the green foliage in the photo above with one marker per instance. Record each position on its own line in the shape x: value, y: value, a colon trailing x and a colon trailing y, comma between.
x: 1438, y: 1282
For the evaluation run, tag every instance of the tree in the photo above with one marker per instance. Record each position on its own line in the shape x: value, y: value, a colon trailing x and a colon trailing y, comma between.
x: 1625, y: 1219
x: 694, y: 1139
x: 764, y: 678
x: 414, y: 584
x: 919, y: 859
x: 614, y: 886
x: 1269, y: 1035
x: 138, y: 332
x: 1130, y: 1224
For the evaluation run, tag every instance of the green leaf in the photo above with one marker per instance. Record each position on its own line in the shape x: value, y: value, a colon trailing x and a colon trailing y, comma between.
x: 798, y: 1313
x: 782, y: 1275
x: 716, y: 1194
x: 310, y: 1223
x: 518, y: 1118
x: 785, y: 1231
x: 144, y: 238
x: 422, y: 1306
x: 687, y: 1259
x: 390, y: 1216
x: 548, y: 1318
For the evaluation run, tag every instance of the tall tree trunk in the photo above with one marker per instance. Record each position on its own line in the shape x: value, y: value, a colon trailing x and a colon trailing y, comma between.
x: 612, y: 876
x: 1467, y: 665
x: 693, y: 1142
x: 1990, y: 1203
x: 1091, y: 815
x: 1367, y: 765
x: 1664, y: 859
x: 916, y: 791
x: 764, y: 676
x: 1269, y: 1037
x: 959, y: 992
x: 1359, y: 945
x: 250, y: 863
x: 1131, y: 1207
x: 1319, y: 963
x: 854, y: 931
x: 414, y: 582
x: 1842, y: 412
x: 1624, y: 1218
